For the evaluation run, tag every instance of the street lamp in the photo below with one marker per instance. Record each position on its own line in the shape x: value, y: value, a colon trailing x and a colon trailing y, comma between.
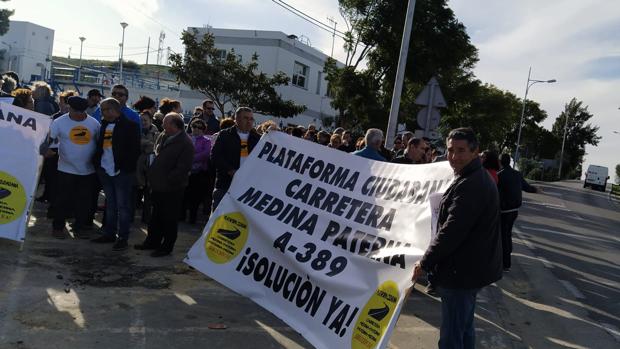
x: 530, y: 83
x: 124, y: 25
x: 81, y: 45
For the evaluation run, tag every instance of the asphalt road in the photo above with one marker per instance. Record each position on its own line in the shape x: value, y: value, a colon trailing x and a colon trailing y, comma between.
x: 575, y: 233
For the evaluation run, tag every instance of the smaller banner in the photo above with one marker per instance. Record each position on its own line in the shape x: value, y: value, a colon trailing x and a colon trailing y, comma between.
x: 323, y: 239
x: 21, y: 134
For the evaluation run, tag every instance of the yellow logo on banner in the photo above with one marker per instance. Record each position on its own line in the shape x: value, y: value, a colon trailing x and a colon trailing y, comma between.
x: 80, y: 135
x: 375, y: 317
x: 227, y: 237
x: 12, y: 198
x: 107, y: 139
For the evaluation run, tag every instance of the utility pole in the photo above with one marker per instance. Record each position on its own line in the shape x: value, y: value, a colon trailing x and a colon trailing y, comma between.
x: 562, y: 152
x: 148, y: 50
x: 331, y: 20
x: 400, y: 76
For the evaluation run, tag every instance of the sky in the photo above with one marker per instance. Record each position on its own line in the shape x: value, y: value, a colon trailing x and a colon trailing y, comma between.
x: 575, y: 42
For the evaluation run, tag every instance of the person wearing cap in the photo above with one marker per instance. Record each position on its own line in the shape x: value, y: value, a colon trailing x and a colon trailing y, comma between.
x: 76, y: 134
x: 116, y: 158
x: 94, y: 97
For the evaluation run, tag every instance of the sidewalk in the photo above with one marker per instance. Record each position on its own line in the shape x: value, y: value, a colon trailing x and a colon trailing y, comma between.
x: 77, y: 294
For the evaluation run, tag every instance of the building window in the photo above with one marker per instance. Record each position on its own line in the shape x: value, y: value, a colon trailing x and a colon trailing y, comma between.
x: 318, y: 82
x: 221, y: 54
x: 300, y: 75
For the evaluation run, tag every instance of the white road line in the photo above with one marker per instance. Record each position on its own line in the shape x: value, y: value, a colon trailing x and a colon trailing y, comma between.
x: 612, y: 330
x: 546, y: 262
x: 572, y: 289
x: 559, y: 207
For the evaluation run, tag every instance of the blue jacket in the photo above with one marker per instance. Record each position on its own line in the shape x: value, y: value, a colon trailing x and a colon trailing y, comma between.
x: 369, y: 153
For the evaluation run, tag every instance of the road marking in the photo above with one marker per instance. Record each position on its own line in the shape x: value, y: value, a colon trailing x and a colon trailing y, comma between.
x: 546, y: 262
x: 559, y: 207
x: 612, y: 330
x: 572, y: 289
x: 569, y: 234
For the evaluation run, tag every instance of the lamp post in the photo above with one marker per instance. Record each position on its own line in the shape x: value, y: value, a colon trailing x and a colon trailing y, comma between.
x: 530, y: 83
x: 80, y: 68
x: 124, y: 25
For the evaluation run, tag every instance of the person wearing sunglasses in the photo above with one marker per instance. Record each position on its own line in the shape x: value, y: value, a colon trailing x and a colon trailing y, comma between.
x: 208, y: 116
x: 121, y: 94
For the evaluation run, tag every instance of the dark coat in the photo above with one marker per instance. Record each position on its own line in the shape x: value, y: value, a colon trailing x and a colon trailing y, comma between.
x: 169, y: 171
x: 467, y: 251
x: 510, y: 185
x: 225, y: 154
x: 125, y: 145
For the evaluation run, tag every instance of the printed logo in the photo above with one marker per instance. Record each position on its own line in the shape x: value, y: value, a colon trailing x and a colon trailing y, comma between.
x: 375, y: 317
x: 227, y: 237
x: 80, y: 135
x: 107, y: 139
x: 12, y: 198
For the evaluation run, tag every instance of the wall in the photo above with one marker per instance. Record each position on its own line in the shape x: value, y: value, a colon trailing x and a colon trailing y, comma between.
x: 30, y: 46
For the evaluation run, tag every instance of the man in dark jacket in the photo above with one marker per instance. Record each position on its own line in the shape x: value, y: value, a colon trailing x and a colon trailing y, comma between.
x: 168, y: 176
x: 208, y: 116
x: 466, y: 253
x: 231, y: 148
x: 510, y: 185
x: 116, y: 156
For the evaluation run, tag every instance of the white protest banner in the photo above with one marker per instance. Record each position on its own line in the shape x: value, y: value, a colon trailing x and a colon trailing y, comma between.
x: 323, y: 239
x: 21, y: 133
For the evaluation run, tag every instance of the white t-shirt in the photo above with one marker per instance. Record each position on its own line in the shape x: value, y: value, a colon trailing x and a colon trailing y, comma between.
x: 76, y: 144
x: 245, y: 150
x: 107, y: 159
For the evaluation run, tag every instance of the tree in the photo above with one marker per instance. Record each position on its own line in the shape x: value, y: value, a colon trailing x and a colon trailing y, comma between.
x: 226, y: 80
x: 5, y: 14
x: 439, y: 47
x: 578, y: 134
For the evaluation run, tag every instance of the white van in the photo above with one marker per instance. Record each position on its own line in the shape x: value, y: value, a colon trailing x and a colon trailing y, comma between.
x: 596, y: 177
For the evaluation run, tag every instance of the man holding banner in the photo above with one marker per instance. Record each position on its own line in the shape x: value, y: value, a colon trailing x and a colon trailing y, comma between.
x: 466, y: 254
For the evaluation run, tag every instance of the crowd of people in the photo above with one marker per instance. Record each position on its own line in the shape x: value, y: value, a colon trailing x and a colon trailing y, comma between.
x: 145, y: 156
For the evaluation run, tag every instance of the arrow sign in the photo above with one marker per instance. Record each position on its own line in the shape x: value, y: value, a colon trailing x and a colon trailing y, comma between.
x: 431, y: 95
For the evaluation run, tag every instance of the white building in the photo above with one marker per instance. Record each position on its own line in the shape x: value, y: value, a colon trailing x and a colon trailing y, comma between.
x: 280, y: 52
x: 28, y: 50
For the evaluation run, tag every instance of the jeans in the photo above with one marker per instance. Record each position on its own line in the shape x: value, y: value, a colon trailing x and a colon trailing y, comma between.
x: 507, y: 221
x: 73, y: 196
x: 118, y: 191
x: 457, y: 318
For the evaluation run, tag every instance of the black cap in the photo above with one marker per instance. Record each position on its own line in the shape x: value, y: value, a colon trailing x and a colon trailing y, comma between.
x: 94, y: 92
x: 77, y: 103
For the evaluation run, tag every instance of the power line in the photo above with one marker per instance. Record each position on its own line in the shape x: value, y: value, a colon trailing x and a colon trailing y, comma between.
x: 309, y: 19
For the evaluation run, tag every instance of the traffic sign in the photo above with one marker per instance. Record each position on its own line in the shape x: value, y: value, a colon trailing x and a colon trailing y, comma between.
x: 431, y: 95
x: 433, y: 121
